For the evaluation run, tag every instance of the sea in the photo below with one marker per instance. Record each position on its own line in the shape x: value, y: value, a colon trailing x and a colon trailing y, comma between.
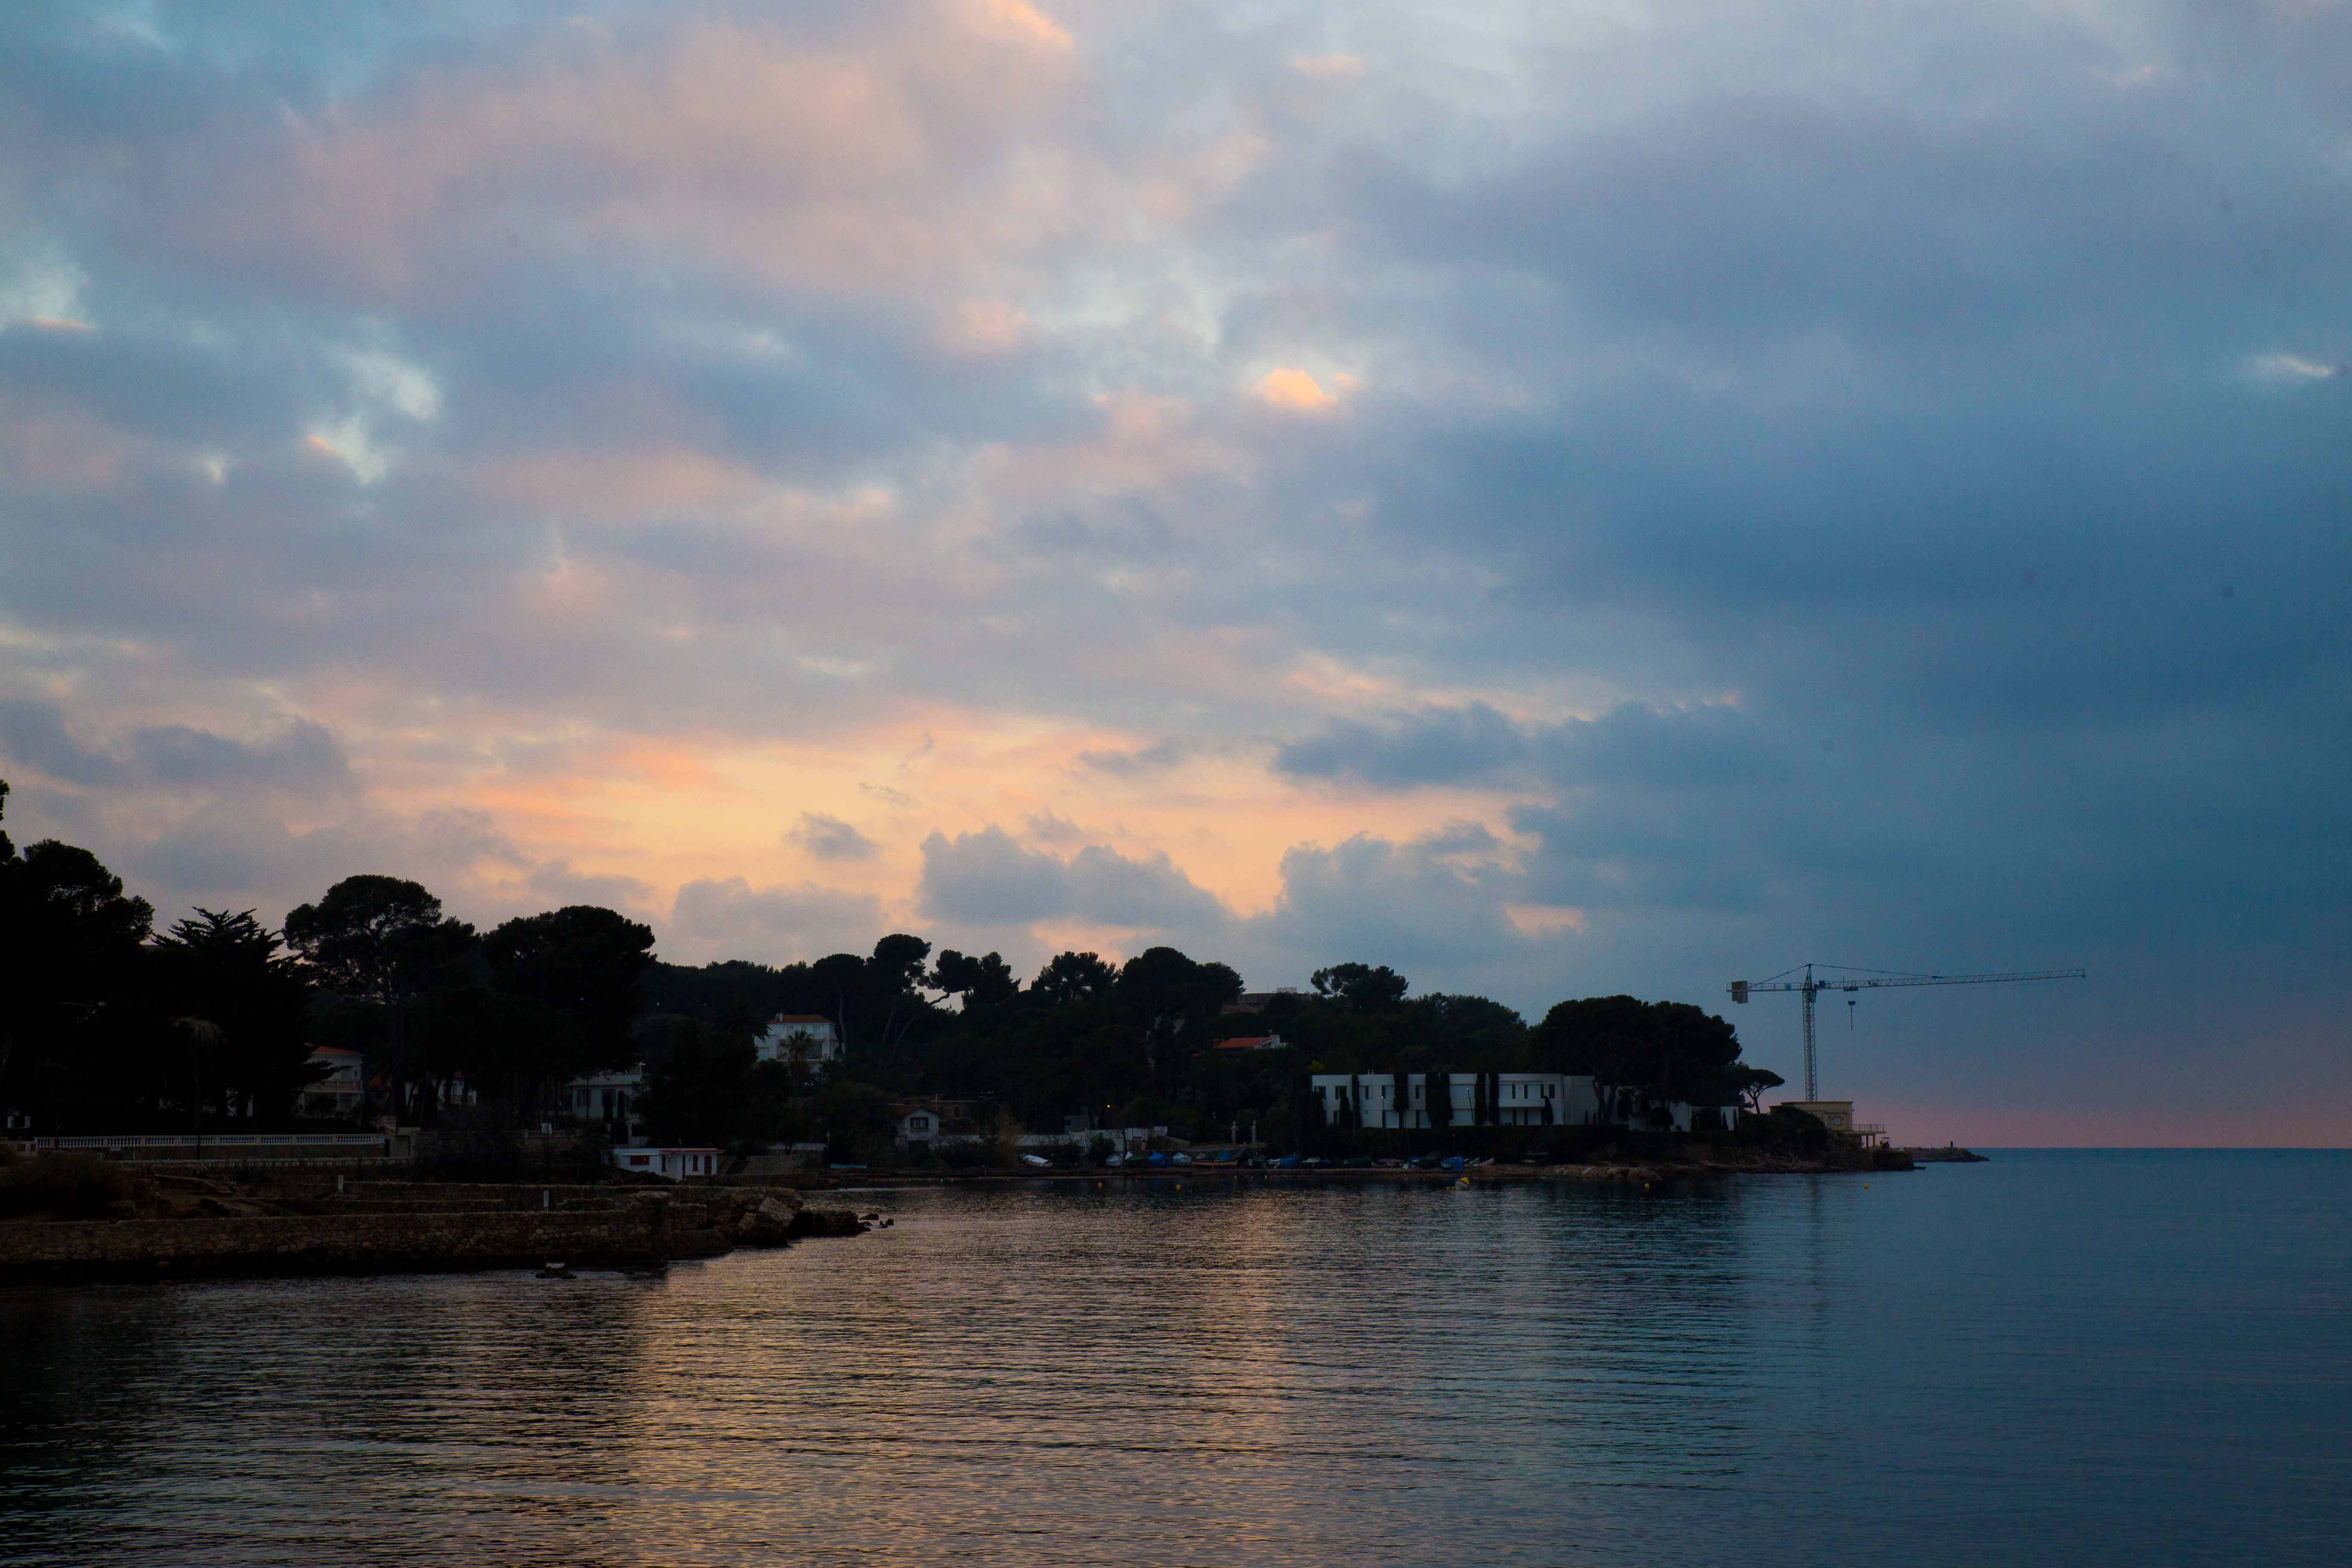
x: 2077, y: 1357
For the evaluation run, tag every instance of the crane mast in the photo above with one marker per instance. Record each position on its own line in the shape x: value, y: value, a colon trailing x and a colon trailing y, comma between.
x: 1808, y: 987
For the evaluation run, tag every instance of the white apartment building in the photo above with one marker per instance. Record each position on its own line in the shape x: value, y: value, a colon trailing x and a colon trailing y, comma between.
x: 1510, y: 1099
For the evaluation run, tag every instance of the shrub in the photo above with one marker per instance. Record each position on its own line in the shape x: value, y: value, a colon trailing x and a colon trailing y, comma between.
x: 71, y: 1187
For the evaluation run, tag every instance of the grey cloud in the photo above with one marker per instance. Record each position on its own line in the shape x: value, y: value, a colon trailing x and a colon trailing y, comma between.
x: 1626, y: 851
x: 1051, y: 828
x: 303, y: 756
x: 1415, y: 906
x: 236, y: 850
x: 986, y: 879
x: 1432, y: 746
x: 730, y: 918
x: 1461, y: 841
x: 34, y: 734
x: 558, y: 882
x: 1137, y: 763
x: 830, y: 839
x: 1111, y: 889
x: 1634, y: 745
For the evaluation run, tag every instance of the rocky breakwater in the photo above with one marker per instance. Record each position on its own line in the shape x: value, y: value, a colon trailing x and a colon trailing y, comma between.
x: 177, y: 1228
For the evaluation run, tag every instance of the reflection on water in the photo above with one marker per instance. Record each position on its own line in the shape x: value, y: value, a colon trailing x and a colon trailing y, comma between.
x: 2051, y: 1359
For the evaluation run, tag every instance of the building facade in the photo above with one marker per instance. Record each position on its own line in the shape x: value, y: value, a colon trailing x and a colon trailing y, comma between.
x: 607, y: 1096
x: 1401, y: 1101
x: 340, y: 1092
x: 673, y: 1165
x: 810, y: 1038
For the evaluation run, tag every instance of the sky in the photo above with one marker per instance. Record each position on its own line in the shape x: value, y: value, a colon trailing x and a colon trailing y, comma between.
x: 1560, y: 500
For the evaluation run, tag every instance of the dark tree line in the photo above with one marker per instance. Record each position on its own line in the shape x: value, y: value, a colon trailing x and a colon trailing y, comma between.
x: 108, y: 1023
x: 105, y: 1021
x: 1127, y: 1045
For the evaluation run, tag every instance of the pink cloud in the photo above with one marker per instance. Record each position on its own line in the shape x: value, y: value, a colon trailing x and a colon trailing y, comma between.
x: 875, y: 162
x: 1294, y: 390
x: 615, y: 484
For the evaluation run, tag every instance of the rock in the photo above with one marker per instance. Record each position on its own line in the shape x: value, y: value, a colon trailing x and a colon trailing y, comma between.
x: 768, y: 1223
x: 826, y: 1222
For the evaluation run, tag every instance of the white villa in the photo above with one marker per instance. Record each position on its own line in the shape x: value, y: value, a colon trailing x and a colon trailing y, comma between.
x: 340, y: 1092
x: 808, y: 1035
x: 607, y: 1096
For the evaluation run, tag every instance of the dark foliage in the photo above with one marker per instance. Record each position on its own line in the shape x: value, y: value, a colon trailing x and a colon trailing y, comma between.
x: 384, y: 940
x: 583, y: 962
x: 241, y: 1005
x: 68, y: 1186
x: 1642, y: 1053
x: 211, y: 1015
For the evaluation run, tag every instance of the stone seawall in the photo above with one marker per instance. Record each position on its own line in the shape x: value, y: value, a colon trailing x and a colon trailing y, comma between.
x: 629, y: 1236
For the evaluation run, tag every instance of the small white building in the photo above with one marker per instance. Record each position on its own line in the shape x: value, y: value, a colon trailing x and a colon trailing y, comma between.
x: 1251, y: 1043
x: 340, y: 1092
x: 671, y: 1164
x: 606, y: 1096
x: 920, y: 1125
x: 809, y: 1038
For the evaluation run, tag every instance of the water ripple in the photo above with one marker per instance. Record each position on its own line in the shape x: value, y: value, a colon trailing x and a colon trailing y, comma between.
x: 1956, y: 1366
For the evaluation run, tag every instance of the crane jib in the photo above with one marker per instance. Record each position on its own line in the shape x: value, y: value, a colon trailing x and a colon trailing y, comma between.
x: 1810, y: 987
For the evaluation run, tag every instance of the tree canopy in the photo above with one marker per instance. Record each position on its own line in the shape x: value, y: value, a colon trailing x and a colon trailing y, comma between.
x: 1654, y: 1052
x: 113, y: 1023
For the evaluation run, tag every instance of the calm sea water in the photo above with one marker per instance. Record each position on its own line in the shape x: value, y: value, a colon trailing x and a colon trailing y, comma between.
x: 2076, y: 1358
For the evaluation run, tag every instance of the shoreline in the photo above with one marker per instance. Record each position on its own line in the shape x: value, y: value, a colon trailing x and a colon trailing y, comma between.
x: 198, y: 1229
x: 1602, y: 1173
x: 387, y: 1227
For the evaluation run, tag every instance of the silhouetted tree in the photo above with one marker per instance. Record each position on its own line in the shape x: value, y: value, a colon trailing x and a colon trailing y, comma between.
x: 228, y: 970
x: 985, y: 981
x: 1650, y: 1053
x: 1361, y: 985
x: 585, y: 963
x: 72, y: 1010
x: 1070, y: 977
x: 383, y: 938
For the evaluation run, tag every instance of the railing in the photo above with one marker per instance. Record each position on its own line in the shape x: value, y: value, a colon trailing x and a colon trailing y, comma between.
x: 224, y: 1140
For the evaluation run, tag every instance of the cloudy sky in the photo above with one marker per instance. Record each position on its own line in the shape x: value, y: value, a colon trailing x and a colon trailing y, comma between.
x: 1557, y: 498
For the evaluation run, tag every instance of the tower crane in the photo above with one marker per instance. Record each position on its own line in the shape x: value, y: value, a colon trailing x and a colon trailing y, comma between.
x: 1808, y: 987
